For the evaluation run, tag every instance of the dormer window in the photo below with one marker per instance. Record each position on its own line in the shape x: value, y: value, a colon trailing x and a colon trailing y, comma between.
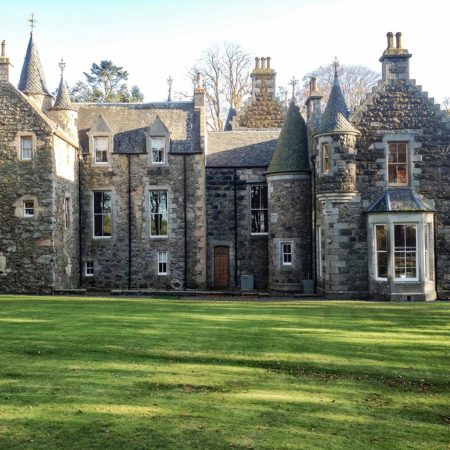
x: 26, y: 146
x: 398, y: 163
x: 158, y: 149
x: 101, y: 149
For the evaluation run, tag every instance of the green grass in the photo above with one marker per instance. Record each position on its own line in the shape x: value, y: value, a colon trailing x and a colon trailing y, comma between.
x: 100, y: 373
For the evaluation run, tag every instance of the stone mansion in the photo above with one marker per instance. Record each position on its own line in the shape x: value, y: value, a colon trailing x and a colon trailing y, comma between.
x: 142, y: 196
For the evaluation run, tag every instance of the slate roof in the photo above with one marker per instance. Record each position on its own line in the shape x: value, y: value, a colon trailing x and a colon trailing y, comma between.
x: 32, y: 80
x: 63, y: 98
x: 243, y: 148
x: 399, y: 200
x: 131, y: 121
x: 335, y: 117
x: 291, y: 153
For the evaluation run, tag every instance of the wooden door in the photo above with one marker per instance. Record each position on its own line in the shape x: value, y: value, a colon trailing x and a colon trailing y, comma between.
x: 221, y: 267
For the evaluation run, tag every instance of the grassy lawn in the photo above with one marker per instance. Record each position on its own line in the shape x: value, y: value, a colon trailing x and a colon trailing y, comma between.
x: 99, y: 373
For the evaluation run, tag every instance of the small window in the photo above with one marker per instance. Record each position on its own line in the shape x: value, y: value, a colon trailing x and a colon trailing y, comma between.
x: 405, y: 252
x: 259, y: 210
x: 28, y: 208
x: 325, y: 158
x: 102, y: 214
x: 101, y: 148
x: 162, y: 263
x: 381, y: 251
x: 398, y: 163
x: 26, y: 146
x: 158, y: 150
x: 89, y: 269
x: 286, y: 253
x: 158, y: 213
x: 66, y: 212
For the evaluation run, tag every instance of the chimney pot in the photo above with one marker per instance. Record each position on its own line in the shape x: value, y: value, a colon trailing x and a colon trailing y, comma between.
x: 263, y: 63
x: 268, y: 62
x: 256, y: 63
x: 398, y: 38
x: 390, y: 40
x: 3, y: 48
x: 312, y: 84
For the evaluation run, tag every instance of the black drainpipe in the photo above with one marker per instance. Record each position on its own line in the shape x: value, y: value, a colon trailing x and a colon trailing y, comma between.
x: 129, y: 220
x: 185, y: 220
x: 235, y: 231
x: 80, y: 262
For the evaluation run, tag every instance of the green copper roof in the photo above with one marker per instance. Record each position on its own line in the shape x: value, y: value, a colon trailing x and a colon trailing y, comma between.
x: 291, y: 153
x: 335, y: 117
x: 32, y: 80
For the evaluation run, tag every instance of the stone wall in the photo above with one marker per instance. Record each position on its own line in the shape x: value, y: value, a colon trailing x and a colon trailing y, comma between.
x: 248, y: 253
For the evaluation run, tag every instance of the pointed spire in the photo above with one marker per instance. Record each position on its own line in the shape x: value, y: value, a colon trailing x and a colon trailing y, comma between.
x: 335, y: 117
x: 169, y: 84
x: 63, y: 98
x: 291, y: 153
x: 32, y: 80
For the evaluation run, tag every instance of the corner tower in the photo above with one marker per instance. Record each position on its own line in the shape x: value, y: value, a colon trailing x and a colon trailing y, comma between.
x: 289, y: 205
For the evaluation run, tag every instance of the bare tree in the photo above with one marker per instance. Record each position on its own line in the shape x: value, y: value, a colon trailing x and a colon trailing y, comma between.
x: 445, y: 104
x: 225, y: 70
x: 356, y: 82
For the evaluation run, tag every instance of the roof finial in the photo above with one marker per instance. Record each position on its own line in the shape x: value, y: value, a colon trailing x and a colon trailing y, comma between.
x: 33, y: 22
x: 62, y: 66
x: 336, y: 66
x: 3, y: 48
x: 169, y: 83
x: 293, y: 83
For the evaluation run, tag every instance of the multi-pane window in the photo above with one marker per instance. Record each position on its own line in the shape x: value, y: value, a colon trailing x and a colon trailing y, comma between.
x: 381, y: 251
x: 158, y: 150
x: 28, y: 208
x: 66, y: 212
x: 259, y: 212
x: 398, y: 163
x: 162, y: 263
x: 89, y: 269
x: 405, y: 251
x: 325, y: 158
x: 102, y: 214
x: 286, y: 253
x: 101, y: 145
x: 26, y: 146
x: 158, y: 213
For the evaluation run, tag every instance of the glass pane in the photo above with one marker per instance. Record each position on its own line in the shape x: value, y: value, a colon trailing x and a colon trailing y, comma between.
x: 410, y: 232
x: 382, y: 265
x: 107, y: 202
x: 399, y: 235
x: 401, y: 153
x: 381, y: 237
x: 101, y: 143
x: 107, y: 226
x: 255, y: 197
x: 98, y: 226
x: 264, y: 197
x: 98, y: 202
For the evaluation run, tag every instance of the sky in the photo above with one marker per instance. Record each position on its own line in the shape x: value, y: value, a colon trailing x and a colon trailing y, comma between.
x: 153, y: 39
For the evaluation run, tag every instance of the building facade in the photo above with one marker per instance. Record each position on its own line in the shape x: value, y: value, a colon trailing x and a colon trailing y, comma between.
x: 142, y: 196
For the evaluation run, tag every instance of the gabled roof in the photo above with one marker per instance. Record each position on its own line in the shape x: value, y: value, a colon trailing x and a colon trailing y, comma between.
x: 32, y: 80
x: 158, y: 127
x: 291, y: 153
x: 63, y: 98
x: 101, y: 125
x: 335, y: 117
x: 399, y: 200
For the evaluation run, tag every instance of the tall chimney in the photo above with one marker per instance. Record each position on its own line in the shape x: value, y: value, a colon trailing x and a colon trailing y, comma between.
x: 4, y: 65
x: 398, y: 38
x: 390, y: 40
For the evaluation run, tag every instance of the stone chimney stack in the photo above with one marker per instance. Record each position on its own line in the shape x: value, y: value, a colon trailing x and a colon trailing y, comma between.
x: 199, y: 105
x: 4, y: 65
x: 261, y: 75
x: 313, y: 104
x: 395, y: 60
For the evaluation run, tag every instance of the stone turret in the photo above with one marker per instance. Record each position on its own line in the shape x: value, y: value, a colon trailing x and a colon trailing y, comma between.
x: 4, y: 65
x: 289, y: 204
x: 32, y: 79
x: 395, y: 60
x: 62, y: 111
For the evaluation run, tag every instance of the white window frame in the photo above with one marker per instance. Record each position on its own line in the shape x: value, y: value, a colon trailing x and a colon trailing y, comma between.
x: 26, y: 214
x: 407, y: 166
x: 417, y: 252
x: 163, y: 262
x: 152, y: 214
x: 22, y: 139
x: 89, y: 269
x: 110, y: 214
x: 163, y: 140
x: 284, y: 253
x: 259, y: 233
x: 107, y: 151
x: 376, y: 251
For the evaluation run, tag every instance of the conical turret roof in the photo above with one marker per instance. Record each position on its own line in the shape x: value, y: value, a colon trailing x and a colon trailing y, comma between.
x: 63, y: 98
x: 291, y: 153
x: 32, y: 80
x: 335, y: 117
